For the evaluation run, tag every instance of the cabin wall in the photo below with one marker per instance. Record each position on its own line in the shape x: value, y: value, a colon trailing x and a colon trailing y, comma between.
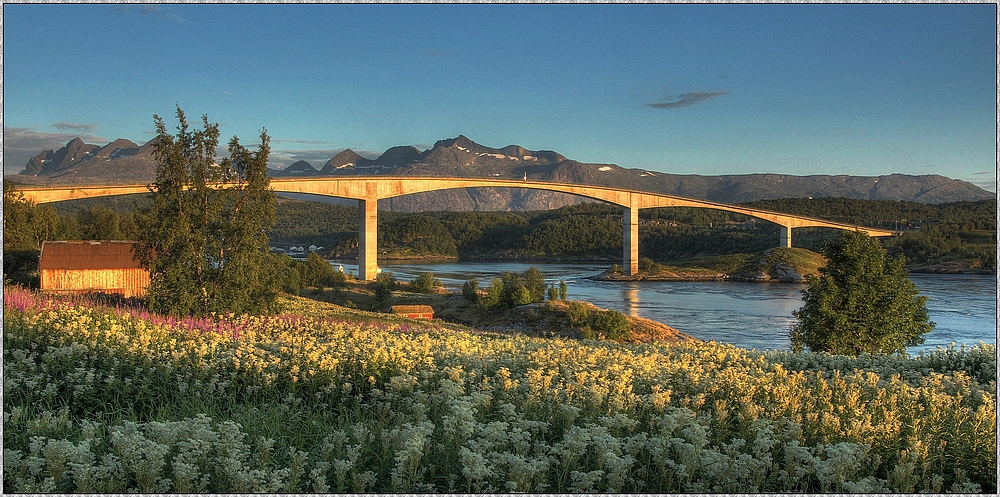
x: 130, y: 282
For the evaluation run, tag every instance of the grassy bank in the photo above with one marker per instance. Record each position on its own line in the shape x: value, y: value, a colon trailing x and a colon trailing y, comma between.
x: 325, y: 398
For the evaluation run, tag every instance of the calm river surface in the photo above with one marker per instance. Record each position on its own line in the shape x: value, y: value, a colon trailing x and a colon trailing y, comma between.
x: 749, y: 315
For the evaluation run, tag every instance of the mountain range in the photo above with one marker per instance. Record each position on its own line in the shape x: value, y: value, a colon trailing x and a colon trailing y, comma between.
x: 124, y: 161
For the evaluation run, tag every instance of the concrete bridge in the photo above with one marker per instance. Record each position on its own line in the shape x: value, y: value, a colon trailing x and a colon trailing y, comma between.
x: 367, y: 190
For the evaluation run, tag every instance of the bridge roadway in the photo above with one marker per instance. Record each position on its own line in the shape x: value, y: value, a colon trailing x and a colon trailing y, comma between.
x: 367, y: 190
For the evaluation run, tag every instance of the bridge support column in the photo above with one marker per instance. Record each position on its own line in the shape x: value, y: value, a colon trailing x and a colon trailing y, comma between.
x: 631, y: 249
x: 786, y: 236
x: 367, y: 239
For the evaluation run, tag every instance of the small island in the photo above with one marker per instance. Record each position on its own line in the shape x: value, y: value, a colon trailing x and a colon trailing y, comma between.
x: 780, y: 264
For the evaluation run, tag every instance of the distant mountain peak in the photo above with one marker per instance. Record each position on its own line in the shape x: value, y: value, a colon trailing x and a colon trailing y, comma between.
x: 122, y: 160
x: 346, y: 159
x: 459, y: 142
x: 299, y: 168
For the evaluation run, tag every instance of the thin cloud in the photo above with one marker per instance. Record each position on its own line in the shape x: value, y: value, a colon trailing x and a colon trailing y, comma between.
x: 75, y: 127
x: 280, y: 159
x: 300, y: 142
x: 987, y: 180
x: 687, y: 99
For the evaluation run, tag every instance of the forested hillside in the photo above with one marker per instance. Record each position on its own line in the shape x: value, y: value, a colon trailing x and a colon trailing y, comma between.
x: 950, y: 236
x: 961, y: 232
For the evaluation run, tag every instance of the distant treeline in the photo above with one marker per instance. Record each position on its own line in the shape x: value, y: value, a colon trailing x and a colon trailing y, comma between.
x: 889, y: 214
x: 962, y: 232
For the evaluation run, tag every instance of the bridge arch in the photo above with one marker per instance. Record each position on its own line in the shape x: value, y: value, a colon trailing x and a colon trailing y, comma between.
x: 367, y: 190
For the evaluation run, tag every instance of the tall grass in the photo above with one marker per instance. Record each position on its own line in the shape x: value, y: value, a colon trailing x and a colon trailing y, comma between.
x: 113, y: 399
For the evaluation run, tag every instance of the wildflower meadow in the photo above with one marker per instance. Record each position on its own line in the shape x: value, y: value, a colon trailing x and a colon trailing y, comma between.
x: 102, y: 399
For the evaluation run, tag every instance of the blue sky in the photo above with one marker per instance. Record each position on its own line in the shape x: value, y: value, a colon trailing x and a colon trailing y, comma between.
x: 688, y: 89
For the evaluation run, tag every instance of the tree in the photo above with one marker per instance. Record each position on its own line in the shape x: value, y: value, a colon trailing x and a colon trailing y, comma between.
x: 493, y: 298
x: 861, y: 302
x: 470, y: 290
x: 424, y: 282
x: 99, y: 223
x: 534, y: 281
x: 204, y: 238
x: 20, y: 257
x: 317, y: 271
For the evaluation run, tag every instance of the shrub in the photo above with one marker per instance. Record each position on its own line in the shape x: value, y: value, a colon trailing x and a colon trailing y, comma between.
x: 521, y: 296
x: 613, y: 323
x: 593, y: 322
x: 387, y: 279
x: 424, y: 283
x: 534, y: 281
x: 493, y: 297
x: 470, y: 290
x: 646, y: 264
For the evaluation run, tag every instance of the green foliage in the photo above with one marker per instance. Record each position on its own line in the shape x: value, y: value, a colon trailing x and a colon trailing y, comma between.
x: 958, y: 231
x: 520, y: 296
x: 861, y: 302
x: 99, y: 222
x: 932, y: 233
x: 553, y: 292
x: 534, y: 282
x: 574, y: 235
x: 387, y: 279
x: 514, y: 289
x: 424, y: 283
x: 20, y: 255
x: 563, y: 289
x: 317, y: 271
x: 204, y: 238
x: 302, y: 221
x: 417, y: 235
x: 646, y: 264
x: 493, y: 298
x: 25, y: 224
x: 662, y: 242
x: 888, y: 214
x: 286, y: 271
x: 385, y: 283
x: 470, y: 290
x: 480, y: 232
x: 596, y: 323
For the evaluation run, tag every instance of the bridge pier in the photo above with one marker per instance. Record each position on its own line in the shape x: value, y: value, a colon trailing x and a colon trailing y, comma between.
x: 631, y: 245
x: 786, y: 236
x: 367, y: 239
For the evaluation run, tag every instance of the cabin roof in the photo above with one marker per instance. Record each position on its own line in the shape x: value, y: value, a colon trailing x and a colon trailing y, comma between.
x: 412, y: 309
x: 85, y: 254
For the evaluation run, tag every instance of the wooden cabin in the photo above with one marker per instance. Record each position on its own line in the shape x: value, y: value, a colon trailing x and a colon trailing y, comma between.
x: 413, y: 311
x: 91, y: 266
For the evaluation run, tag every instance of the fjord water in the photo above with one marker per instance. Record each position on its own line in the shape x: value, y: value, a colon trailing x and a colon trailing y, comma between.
x: 750, y: 315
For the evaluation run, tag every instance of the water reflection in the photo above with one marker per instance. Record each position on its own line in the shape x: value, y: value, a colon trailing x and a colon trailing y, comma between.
x: 630, y: 298
x: 750, y: 315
